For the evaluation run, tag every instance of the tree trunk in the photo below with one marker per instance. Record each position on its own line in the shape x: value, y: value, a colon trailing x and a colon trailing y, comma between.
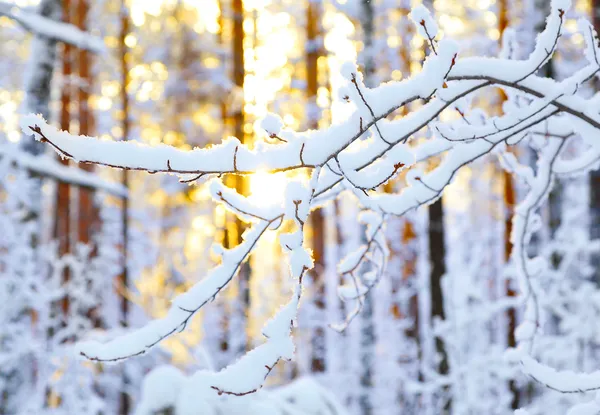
x: 125, y: 403
x: 509, y: 203
x: 40, y: 70
x: 224, y: 326
x: 595, y: 175
x: 317, y: 219
x: 437, y: 253
x: 62, y: 219
x: 38, y: 82
x: 367, y: 338
x: 233, y: 116
x: 88, y: 214
x: 236, y: 228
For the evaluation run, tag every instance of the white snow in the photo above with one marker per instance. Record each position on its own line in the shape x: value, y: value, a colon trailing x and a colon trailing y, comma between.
x: 43, y: 26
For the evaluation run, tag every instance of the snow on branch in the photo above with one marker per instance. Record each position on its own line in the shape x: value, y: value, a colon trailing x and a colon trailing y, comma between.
x: 373, y: 254
x: 525, y: 223
x: 560, y: 381
x: 48, y: 167
x: 360, y: 153
x: 297, y: 150
x: 425, y: 24
x: 516, y: 71
x: 476, y: 74
x: 49, y: 28
x: 248, y: 374
x: 184, y: 307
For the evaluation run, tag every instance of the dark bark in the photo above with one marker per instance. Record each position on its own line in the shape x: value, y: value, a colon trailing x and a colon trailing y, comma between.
x: 595, y: 175
x: 125, y: 402
x: 437, y: 252
x: 437, y: 256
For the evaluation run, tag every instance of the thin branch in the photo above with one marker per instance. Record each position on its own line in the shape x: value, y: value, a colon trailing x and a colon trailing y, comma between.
x: 362, y: 97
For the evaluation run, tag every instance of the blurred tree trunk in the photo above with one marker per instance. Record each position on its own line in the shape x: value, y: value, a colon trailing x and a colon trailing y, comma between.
x: 595, y: 175
x: 367, y: 338
x: 407, y: 253
x: 125, y: 404
x: 235, y: 337
x: 509, y: 203
x: 240, y: 183
x: 38, y: 87
x: 224, y: 235
x: 41, y: 68
x: 317, y: 218
x: 62, y: 219
x: 88, y: 214
x: 437, y: 253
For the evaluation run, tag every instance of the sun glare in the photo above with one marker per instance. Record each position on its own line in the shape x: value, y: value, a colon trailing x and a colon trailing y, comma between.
x: 206, y: 20
x: 267, y: 188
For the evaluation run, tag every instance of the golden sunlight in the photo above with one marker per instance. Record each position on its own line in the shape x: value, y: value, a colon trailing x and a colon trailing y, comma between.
x: 125, y: 225
x: 267, y: 188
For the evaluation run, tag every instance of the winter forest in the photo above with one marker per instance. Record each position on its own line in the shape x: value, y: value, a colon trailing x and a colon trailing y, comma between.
x: 299, y: 207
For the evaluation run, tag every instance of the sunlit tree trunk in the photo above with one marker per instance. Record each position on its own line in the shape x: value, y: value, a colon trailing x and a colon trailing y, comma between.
x: 124, y: 278
x: 509, y: 203
x: 62, y: 220
x: 240, y: 182
x: 235, y: 341
x: 88, y: 215
x: 317, y: 219
x: 222, y: 226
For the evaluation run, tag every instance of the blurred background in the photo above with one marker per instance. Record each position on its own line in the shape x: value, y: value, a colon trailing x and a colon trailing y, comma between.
x: 87, y: 251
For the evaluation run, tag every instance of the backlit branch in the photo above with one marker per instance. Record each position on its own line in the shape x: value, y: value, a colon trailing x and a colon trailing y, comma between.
x: 359, y: 154
x: 184, y: 307
x: 300, y: 150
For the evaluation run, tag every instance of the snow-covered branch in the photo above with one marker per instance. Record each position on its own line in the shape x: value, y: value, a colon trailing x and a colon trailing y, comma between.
x: 184, y: 307
x: 372, y: 254
x: 50, y: 168
x: 43, y: 26
x: 296, y: 150
x: 358, y: 155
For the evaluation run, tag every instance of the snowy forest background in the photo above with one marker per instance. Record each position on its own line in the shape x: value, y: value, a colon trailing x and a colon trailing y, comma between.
x: 411, y: 303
